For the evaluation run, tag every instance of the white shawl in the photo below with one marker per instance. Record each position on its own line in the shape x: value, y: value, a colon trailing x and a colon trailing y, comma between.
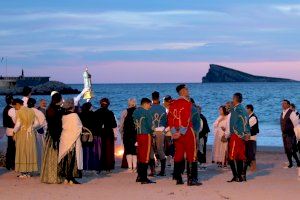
x: 297, y: 132
x: 72, y: 128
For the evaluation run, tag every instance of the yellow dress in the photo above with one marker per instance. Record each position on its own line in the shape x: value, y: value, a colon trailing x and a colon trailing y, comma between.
x: 26, y: 150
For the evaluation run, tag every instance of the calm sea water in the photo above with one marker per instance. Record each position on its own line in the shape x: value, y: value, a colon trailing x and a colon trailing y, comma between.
x: 266, y: 98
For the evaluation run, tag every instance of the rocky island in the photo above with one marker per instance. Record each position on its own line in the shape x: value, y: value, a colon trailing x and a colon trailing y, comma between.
x: 220, y: 74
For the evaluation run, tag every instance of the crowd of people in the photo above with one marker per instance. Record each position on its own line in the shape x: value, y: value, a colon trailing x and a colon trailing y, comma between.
x: 63, y: 140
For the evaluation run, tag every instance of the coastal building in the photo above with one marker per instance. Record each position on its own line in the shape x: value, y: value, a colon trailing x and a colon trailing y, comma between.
x: 21, y: 81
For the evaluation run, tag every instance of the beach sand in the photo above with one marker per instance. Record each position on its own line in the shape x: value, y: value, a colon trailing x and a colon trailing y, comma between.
x: 271, y: 181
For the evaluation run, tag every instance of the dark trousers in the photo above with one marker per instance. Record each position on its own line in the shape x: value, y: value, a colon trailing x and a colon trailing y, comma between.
x: 291, y: 148
x: 10, y: 153
x: 202, y: 156
x: 236, y: 168
x: 250, y: 150
x: 250, y: 154
x: 169, y: 148
x: 289, y: 157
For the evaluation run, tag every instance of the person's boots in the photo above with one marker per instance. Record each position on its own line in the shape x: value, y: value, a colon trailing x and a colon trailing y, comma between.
x: 143, y: 176
x: 240, y: 168
x: 182, y: 166
x: 188, y: 169
x: 245, y: 168
x: 195, y: 172
x: 145, y: 179
x: 192, y: 173
x: 139, y: 172
x: 163, y: 167
x: 152, y: 167
x: 233, y: 169
x: 177, y: 173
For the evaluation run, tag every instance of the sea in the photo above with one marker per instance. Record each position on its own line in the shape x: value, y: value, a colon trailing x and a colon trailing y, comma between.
x: 266, y: 98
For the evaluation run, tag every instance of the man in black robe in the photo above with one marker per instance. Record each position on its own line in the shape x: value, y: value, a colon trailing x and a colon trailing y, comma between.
x: 107, y: 127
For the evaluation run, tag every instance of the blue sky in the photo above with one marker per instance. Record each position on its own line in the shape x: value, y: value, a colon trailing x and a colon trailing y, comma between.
x: 149, y: 41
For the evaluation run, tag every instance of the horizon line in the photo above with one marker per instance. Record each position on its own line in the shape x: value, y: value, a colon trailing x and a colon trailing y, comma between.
x: 128, y: 83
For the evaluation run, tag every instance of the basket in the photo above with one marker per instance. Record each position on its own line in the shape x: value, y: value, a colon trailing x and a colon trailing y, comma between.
x: 86, y: 135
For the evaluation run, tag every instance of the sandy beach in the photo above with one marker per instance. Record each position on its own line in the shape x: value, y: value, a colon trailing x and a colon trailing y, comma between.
x: 271, y: 181
x: 84, y: 81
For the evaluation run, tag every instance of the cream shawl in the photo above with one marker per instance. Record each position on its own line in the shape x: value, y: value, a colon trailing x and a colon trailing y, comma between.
x: 70, y: 137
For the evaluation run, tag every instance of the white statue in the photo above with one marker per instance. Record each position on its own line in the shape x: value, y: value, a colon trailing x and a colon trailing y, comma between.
x: 87, y: 82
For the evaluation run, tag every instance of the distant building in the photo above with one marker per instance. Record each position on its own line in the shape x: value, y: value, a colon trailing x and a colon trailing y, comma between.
x: 22, y: 81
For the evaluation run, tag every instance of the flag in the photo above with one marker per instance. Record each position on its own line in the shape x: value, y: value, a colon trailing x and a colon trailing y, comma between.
x: 2, y: 59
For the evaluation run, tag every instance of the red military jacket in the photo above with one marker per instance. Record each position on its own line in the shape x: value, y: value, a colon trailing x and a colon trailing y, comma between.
x: 179, y: 116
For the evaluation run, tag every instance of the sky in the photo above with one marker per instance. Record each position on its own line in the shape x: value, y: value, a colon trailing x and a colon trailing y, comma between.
x: 129, y: 41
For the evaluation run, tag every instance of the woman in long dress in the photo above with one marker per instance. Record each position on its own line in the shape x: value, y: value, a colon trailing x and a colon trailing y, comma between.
x: 91, y: 150
x: 220, y: 147
x: 54, y: 113
x: 41, y: 129
x: 107, y: 127
x: 24, y: 134
x: 70, y: 148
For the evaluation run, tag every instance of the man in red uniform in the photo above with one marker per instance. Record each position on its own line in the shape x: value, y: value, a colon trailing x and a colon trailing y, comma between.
x: 143, y: 122
x: 183, y: 125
